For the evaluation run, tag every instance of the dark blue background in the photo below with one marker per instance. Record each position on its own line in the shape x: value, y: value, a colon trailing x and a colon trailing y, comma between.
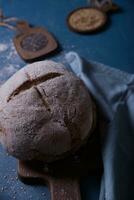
x: 114, y: 47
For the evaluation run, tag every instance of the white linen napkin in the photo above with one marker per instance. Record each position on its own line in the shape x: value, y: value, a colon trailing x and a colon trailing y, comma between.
x: 114, y: 92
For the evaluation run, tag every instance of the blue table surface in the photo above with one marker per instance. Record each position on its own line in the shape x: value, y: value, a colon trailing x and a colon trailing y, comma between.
x: 114, y: 47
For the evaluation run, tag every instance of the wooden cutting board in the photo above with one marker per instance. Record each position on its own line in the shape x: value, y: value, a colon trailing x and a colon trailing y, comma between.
x: 33, y: 42
x: 62, y: 177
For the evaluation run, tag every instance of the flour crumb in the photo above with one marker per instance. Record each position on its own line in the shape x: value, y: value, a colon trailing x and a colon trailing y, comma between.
x: 10, y: 60
x: 12, y: 53
x: 3, y: 47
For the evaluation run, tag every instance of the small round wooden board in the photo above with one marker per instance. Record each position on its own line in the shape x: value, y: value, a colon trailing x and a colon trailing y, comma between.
x: 33, y: 42
x: 86, y: 20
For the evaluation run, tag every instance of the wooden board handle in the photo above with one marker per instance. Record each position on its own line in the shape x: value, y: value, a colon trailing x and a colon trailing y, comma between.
x: 22, y: 26
x: 64, y: 189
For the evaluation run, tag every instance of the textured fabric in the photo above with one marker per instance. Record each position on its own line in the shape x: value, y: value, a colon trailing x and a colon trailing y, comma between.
x: 114, y: 92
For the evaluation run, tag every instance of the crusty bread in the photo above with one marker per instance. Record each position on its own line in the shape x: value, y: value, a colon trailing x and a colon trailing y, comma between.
x: 45, y: 112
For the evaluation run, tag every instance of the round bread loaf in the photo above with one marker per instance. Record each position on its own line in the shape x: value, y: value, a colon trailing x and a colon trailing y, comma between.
x: 45, y: 112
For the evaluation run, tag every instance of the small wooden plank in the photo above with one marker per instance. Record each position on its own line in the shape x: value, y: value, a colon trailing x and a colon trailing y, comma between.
x: 33, y: 42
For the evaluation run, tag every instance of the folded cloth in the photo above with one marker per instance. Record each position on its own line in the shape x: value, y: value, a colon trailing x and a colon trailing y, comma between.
x: 114, y: 93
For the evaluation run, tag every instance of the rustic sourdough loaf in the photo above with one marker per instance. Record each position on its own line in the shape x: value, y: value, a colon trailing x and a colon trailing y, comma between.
x: 45, y: 112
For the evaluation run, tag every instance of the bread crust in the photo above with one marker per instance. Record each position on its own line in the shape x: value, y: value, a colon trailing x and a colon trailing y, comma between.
x: 46, y: 112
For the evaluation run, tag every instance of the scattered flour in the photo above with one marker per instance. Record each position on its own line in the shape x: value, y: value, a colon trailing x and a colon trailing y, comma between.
x: 3, y: 47
x: 10, y: 60
x: 12, y: 52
